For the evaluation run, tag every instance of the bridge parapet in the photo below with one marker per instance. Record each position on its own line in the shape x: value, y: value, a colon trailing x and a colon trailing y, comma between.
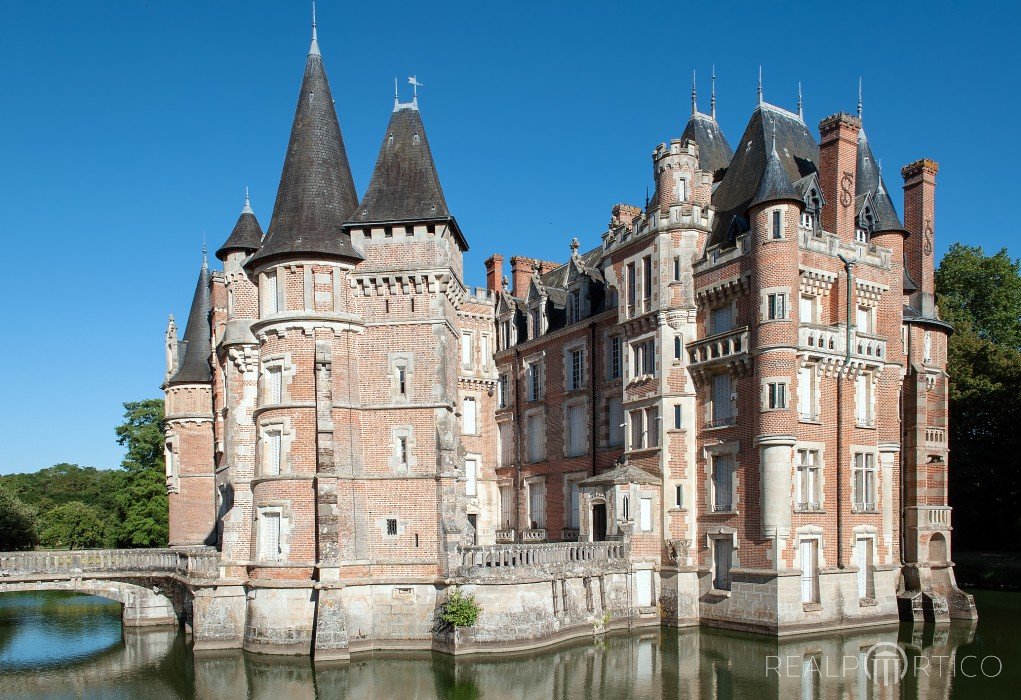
x: 193, y: 562
x: 541, y: 561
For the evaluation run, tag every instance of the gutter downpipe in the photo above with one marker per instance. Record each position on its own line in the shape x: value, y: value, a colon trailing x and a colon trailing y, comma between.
x: 848, y: 264
x: 592, y: 392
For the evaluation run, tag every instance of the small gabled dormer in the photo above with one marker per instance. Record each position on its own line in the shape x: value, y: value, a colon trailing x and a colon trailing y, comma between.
x: 811, y: 192
x: 535, y: 304
x: 865, y: 223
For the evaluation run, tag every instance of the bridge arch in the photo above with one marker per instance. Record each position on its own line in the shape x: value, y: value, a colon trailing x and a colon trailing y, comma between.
x: 143, y: 603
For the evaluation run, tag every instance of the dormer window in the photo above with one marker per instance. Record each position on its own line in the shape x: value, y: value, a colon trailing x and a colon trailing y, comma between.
x: 574, y: 306
x: 861, y: 235
x: 807, y: 219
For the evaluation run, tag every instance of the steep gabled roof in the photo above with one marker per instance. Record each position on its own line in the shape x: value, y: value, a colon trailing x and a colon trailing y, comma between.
x: 797, y: 151
x: 316, y: 193
x: 194, y: 350
x: 246, y: 236
x: 714, y: 153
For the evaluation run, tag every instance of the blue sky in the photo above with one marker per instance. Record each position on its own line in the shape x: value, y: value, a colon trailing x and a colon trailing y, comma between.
x: 127, y: 129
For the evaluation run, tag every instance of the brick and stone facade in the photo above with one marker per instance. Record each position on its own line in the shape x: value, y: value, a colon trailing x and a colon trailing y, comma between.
x: 730, y: 411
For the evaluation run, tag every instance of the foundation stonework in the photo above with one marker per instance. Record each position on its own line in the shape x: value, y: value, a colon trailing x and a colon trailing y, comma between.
x: 694, y: 422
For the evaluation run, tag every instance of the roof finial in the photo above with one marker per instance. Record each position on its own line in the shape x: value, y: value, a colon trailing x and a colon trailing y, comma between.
x: 314, y: 48
x: 801, y: 111
x: 205, y: 259
x: 694, y: 99
x: 712, y: 98
x: 859, y: 97
x: 396, y: 97
x: 772, y: 126
x: 248, y: 203
x: 414, y: 89
x: 760, y: 84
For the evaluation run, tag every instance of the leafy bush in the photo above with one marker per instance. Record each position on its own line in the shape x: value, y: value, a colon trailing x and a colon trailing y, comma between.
x: 73, y: 525
x: 17, y: 524
x: 460, y: 610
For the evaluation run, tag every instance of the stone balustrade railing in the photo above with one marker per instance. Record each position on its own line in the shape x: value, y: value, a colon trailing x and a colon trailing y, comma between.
x: 722, y: 346
x: 196, y: 562
x: 522, y: 555
x: 819, y: 340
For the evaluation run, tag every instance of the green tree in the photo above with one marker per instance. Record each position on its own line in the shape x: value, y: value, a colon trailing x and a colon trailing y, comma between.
x: 981, y: 296
x: 17, y: 524
x: 72, y: 525
x: 142, y: 501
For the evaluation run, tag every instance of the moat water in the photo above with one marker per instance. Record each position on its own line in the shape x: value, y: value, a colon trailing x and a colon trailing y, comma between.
x: 57, y: 645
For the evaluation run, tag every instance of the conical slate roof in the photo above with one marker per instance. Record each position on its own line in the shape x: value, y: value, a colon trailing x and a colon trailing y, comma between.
x: 775, y: 185
x: 316, y: 193
x: 193, y: 367
x: 714, y: 153
x: 246, y: 236
x: 870, y: 180
x: 404, y: 184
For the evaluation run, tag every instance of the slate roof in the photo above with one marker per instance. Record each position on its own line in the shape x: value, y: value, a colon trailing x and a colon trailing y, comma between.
x: 589, y: 262
x: 316, y: 193
x: 193, y: 365
x: 775, y: 185
x: 797, y: 151
x: 405, y: 185
x: 714, y: 153
x: 621, y: 474
x: 870, y: 181
x: 246, y: 236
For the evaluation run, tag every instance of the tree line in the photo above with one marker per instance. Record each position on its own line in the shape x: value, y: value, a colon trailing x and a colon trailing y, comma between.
x: 67, y: 506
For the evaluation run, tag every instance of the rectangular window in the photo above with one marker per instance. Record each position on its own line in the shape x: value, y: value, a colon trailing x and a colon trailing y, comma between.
x: 625, y: 507
x: 806, y: 488
x: 466, y: 350
x: 677, y: 269
x: 644, y: 354
x: 274, y: 385
x: 777, y: 304
x: 864, y: 481
x: 723, y: 550
x: 723, y: 483
x: 677, y: 416
x: 777, y: 395
x: 652, y: 425
x: 537, y: 504
x: 576, y: 431
x: 402, y: 381
x: 471, y: 474
x: 632, y: 287
x: 507, y: 516
x: 809, y: 571
x: 533, y: 375
x: 678, y: 495
x: 777, y: 225
x: 577, y: 369
x: 615, y: 412
x: 574, y: 306
x: 271, y: 296
x: 506, y: 444
x: 645, y: 514
x: 722, y: 413
x: 721, y: 319
x: 536, y: 321
x: 678, y: 347
x: 863, y: 560
x: 637, y: 429
x: 269, y: 537
x: 391, y: 526
x: 863, y: 401
x: 501, y: 391
x: 273, y: 452
x: 485, y: 352
x: 469, y: 415
x: 864, y: 319
x: 616, y: 366
x: 402, y: 449
x: 806, y: 309
x: 535, y: 426
x: 647, y: 279
x: 806, y: 393
x: 574, y: 505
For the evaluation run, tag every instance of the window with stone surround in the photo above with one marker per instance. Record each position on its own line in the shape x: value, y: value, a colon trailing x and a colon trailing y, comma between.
x: 864, y: 402
x: 575, y: 368
x: 471, y: 475
x: 863, y: 558
x: 808, y: 309
x: 535, y: 430
x: 777, y: 229
x: 632, y: 289
x: 643, y: 356
x: 645, y: 427
x: 502, y: 397
x: 721, y: 319
x: 645, y: 514
x: 722, y: 482
x: 723, y: 558
x: 274, y: 387
x: 577, y: 430
x: 808, y: 393
x: 807, y: 483
x: 506, y: 436
x: 402, y: 456
x: 808, y: 551
x: 270, y: 535
x: 615, y: 417
x: 615, y: 366
x: 469, y: 416
x: 865, y: 320
x: 647, y: 281
x: 722, y: 401
x: 536, y: 488
x: 572, y: 500
x: 467, y: 348
x: 864, y: 481
x: 272, y: 296
x: 486, y: 350
x: 774, y: 394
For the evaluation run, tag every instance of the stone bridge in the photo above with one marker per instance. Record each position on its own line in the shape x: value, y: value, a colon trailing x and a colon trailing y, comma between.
x: 154, y: 586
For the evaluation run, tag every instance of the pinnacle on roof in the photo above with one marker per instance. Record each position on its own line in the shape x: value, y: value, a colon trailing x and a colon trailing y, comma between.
x: 316, y: 193
x: 870, y: 181
x: 714, y: 153
x: 405, y: 186
x: 194, y: 364
x: 247, y: 233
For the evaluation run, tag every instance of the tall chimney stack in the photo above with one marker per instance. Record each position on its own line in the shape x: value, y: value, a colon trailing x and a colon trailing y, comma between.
x: 920, y: 221
x: 838, y: 171
x: 494, y: 273
x: 521, y: 275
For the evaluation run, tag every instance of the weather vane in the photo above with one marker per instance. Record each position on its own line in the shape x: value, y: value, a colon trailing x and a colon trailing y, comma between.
x: 413, y: 81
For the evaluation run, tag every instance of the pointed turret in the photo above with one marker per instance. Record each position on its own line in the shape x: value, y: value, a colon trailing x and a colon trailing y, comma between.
x: 870, y: 181
x: 316, y: 193
x: 193, y: 356
x: 405, y: 186
x: 247, y: 234
x: 775, y: 185
x: 714, y: 153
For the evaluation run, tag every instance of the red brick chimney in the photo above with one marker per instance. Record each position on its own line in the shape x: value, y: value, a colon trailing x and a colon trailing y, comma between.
x: 920, y: 221
x: 521, y: 275
x: 494, y: 273
x: 838, y: 170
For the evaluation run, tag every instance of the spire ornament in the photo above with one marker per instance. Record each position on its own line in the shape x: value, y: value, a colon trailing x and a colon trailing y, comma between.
x: 712, y: 96
x: 248, y: 203
x: 694, y: 98
x: 313, y: 50
x: 760, y: 85
x: 801, y: 111
x: 859, y: 97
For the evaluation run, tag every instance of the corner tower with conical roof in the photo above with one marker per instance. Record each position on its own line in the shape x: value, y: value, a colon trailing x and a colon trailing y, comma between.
x: 188, y: 426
